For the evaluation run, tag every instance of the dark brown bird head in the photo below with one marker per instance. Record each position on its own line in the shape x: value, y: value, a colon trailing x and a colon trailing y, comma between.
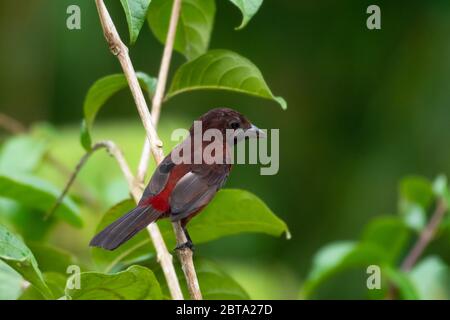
x: 224, y: 119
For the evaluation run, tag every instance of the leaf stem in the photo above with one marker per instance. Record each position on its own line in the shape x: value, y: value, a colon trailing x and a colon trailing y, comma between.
x: 426, y: 236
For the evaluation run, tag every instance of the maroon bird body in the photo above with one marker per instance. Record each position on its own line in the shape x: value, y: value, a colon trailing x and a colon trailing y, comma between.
x: 180, y: 190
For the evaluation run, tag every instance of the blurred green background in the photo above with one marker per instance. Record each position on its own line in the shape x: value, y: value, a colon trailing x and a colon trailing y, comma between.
x: 364, y: 109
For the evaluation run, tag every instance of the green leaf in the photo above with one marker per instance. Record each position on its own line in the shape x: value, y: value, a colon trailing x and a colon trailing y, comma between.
x: 402, y: 283
x: 416, y: 196
x: 85, y: 136
x: 56, y: 283
x: 441, y: 189
x: 52, y: 259
x: 431, y: 276
x: 29, y: 223
x: 390, y: 234
x: 10, y: 282
x: 136, y: 283
x: 234, y: 211
x: 215, y: 284
x: 135, y: 12
x: 136, y: 249
x: 19, y: 257
x: 224, y: 70
x: 100, y: 92
x: 35, y: 193
x: 248, y: 9
x: 230, y: 212
x: 22, y: 153
x: 338, y: 257
x: 417, y: 190
x: 194, y: 26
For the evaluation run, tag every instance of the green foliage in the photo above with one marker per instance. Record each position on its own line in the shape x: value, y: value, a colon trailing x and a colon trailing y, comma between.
x: 230, y: 212
x: 135, y: 283
x: 56, y: 282
x: 52, y: 259
x: 384, y: 243
x: 222, y: 70
x: 100, y: 92
x: 194, y: 26
x: 135, y: 12
x: 10, y: 282
x: 235, y: 211
x: 431, y: 277
x: 215, y: 283
x: 17, y: 255
x: 416, y: 195
x: 39, y: 194
x: 248, y: 9
x: 28, y: 149
x: 29, y: 223
x: 389, y: 234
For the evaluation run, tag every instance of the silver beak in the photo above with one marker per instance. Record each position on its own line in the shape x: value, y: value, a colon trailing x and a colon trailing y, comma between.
x: 256, y: 132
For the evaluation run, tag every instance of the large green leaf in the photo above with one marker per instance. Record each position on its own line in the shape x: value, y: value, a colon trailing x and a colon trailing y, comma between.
x: 234, y: 211
x: 21, y: 153
x: 135, y: 11
x: 10, y: 282
x: 19, y: 257
x: 248, y: 9
x: 224, y: 70
x: 215, y: 284
x: 230, y: 212
x: 194, y: 26
x: 35, y: 193
x: 100, y: 92
x: 136, y: 249
x: 135, y: 283
x: 389, y: 233
x: 416, y: 196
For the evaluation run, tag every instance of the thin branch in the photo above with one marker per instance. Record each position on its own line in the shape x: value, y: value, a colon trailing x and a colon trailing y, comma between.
x: 11, y: 124
x: 426, y: 236
x: 143, y: 163
x: 72, y: 178
x: 160, y: 86
x: 164, y: 259
x: 119, y: 49
x: 185, y: 255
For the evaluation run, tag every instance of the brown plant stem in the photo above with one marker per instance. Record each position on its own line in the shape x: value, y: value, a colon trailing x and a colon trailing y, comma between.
x: 121, y: 51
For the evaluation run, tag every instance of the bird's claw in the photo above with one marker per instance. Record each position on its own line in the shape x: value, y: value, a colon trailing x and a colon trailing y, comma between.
x: 187, y: 244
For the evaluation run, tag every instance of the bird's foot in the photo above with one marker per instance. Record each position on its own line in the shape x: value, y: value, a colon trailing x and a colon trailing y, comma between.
x: 187, y: 244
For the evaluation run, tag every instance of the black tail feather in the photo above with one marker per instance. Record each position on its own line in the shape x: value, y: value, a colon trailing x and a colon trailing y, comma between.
x: 125, y: 228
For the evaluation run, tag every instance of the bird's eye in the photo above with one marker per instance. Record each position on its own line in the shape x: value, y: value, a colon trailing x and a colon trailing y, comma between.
x: 234, y: 125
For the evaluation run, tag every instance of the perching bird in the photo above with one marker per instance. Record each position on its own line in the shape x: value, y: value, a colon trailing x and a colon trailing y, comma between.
x: 181, y: 190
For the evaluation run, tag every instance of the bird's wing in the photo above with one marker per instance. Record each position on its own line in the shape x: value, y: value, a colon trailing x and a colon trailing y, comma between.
x: 196, y: 189
x: 159, y: 178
